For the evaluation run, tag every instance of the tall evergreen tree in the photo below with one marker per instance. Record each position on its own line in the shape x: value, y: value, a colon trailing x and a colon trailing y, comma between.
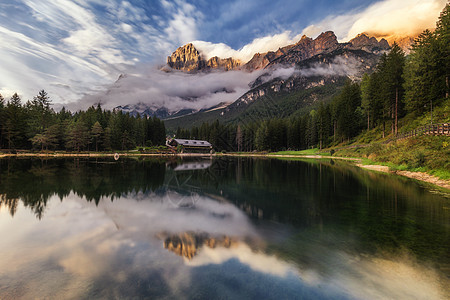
x: 392, y: 83
x: 427, y: 68
x: 97, y: 135
x: 15, y: 123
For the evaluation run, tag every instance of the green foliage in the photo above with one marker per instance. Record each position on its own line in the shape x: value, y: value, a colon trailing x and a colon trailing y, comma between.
x: 346, y: 105
x: 427, y: 68
x: 425, y: 154
x: 37, y: 125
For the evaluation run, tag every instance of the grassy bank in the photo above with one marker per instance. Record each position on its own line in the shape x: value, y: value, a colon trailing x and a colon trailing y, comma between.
x: 430, y: 154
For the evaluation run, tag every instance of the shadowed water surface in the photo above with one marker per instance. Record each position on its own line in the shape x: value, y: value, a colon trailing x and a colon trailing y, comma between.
x: 218, y: 228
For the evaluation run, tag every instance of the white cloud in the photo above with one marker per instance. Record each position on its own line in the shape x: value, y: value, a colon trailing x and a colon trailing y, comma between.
x: 383, y: 18
x: 64, y: 49
x: 182, y: 27
x: 261, y: 45
x: 174, y: 90
x: 399, y: 17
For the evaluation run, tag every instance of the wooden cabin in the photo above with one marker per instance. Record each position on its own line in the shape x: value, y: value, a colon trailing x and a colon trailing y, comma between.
x: 191, y: 146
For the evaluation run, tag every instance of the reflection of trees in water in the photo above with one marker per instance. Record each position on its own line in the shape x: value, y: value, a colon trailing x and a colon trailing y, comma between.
x: 34, y: 181
x: 9, y: 203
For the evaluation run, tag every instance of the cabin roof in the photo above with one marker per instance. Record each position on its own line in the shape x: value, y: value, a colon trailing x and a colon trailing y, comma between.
x: 192, y: 143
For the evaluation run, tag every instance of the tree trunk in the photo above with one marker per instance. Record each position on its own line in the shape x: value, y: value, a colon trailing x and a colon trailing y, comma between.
x: 446, y: 83
x: 384, y: 128
x: 392, y: 119
x: 368, y: 121
x: 334, y: 131
x: 320, y: 147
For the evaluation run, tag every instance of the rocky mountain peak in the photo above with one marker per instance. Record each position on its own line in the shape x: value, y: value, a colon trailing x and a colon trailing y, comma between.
x: 370, y: 44
x: 187, y: 58
x: 326, y: 40
x: 225, y: 64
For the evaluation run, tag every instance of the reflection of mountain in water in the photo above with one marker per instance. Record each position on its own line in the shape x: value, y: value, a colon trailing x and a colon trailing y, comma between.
x: 188, y: 244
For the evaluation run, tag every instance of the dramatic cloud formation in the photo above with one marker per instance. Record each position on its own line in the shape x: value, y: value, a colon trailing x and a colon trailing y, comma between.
x: 395, y: 17
x: 73, y: 49
x: 384, y: 18
x: 174, y: 90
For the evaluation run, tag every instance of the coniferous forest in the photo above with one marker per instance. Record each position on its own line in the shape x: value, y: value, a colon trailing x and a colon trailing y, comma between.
x: 402, y: 85
x: 36, y: 126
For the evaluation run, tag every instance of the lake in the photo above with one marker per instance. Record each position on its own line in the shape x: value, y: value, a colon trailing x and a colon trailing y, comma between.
x: 227, y: 228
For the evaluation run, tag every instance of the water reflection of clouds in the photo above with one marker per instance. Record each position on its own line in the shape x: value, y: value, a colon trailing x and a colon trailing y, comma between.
x: 257, y: 261
x: 157, y: 214
x: 78, y: 248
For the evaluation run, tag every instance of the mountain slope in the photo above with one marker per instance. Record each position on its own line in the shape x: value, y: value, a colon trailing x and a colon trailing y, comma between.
x: 289, y: 91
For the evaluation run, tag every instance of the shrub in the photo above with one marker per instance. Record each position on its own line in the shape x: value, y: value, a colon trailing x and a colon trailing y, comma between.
x: 418, y: 159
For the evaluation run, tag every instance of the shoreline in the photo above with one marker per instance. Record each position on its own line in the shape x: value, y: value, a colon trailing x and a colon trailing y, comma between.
x: 421, y: 176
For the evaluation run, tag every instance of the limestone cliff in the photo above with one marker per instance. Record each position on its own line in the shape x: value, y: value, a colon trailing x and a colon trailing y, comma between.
x: 187, y: 58
x: 226, y: 64
x: 369, y: 44
x: 307, y: 47
x: 289, y: 55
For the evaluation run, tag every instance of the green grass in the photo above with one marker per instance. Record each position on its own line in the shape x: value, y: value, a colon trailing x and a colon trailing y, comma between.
x: 429, y: 154
x: 314, y: 151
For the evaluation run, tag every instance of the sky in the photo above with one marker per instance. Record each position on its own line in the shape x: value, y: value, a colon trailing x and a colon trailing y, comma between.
x: 77, y: 49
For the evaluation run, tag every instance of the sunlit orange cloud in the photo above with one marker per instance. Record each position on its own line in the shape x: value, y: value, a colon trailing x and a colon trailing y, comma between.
x: 394, y: 19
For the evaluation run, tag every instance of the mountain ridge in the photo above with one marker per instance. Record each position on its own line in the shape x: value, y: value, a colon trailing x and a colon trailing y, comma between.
x: 188, y: 59
x: 352, y: 59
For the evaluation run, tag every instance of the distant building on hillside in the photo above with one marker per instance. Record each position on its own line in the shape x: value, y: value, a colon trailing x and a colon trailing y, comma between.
x: 194, y: 146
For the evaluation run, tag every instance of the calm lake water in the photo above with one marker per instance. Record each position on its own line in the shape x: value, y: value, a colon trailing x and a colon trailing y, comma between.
x: 223, y: 228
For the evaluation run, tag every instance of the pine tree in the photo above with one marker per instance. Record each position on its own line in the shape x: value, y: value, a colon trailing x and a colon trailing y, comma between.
x: 366, y: 97
x: 78, y: 136
x: 97, y: 134
x: 443, y: 41
x: 42, y: 104
x: 15, y: 124
x: 347, y: 103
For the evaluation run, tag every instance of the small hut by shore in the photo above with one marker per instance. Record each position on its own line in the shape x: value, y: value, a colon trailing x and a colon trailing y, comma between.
x: 190, y: 146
